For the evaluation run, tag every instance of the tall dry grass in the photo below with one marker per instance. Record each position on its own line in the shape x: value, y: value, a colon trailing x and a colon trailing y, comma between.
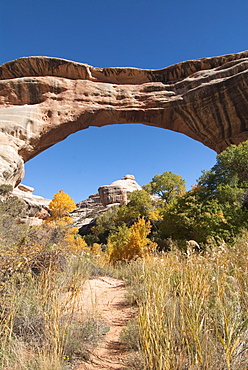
x: 38, y: 317
x: 193, y: 309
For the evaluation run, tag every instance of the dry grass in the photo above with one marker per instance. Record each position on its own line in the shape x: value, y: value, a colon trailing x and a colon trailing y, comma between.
x: 193, y: 309
x: 38, y: 318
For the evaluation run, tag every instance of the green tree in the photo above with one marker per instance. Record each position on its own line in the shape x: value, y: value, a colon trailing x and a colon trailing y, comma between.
x: 167, y: 186
x: 235, y: 161
x: 227, y: 181
x: 109, y: 220
x: 217, y: 206
x: 140, y: 204
x: 192, y: 217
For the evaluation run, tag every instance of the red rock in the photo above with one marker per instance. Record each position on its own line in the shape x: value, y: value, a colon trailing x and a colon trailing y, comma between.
x: 43, y: 100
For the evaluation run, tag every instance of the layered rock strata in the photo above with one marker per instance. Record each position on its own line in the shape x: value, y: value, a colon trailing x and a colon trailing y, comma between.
x: 36, y: 206
x: 43, y: 100
x: 89, y: 210
x: 117, y: 191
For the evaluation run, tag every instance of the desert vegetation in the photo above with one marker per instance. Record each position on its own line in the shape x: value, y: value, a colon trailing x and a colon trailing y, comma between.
x: 42, y: 272
x: 192, y: 302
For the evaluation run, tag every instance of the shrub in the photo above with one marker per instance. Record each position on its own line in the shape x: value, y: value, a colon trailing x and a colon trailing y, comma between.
x: 5, y: 190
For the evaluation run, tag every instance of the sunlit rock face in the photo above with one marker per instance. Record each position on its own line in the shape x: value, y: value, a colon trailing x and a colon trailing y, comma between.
x: 36, y: 207
x: 11, y: 166
x: 117, y: 192
x: 43, y: 100
x: 89, y: 210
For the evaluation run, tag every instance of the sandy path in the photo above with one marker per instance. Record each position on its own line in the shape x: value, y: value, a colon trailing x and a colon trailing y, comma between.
x: 106, y: 297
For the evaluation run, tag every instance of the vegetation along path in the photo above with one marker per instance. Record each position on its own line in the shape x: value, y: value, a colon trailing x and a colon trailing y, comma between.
x: 105, y: 296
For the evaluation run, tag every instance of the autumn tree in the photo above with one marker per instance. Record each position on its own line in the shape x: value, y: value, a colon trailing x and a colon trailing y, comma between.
x: 75, y: 242
x: 61, y: 206
x: 167, y: 186
x: 130, y: 243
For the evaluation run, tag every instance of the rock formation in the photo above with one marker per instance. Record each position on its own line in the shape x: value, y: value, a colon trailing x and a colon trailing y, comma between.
x: 43, y: 100
x: 118, y: 190
x: 116, y: 193
x: 36, y: 206
x: 87, y: 212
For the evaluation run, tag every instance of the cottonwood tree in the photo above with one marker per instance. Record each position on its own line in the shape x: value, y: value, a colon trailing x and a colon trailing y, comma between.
x: 217, y: 207
x: 227, y: 180
x: 61, y: 206
x: 167, y: 186
x: 130, y: 243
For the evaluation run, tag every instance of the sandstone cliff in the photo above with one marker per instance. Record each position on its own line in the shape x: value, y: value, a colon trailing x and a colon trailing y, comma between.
x: 43, y: 100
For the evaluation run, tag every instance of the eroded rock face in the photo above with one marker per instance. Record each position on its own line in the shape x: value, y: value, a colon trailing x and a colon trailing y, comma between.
x: 117, y: 192
x: 11, y: 166
x: 88, y: 210
x: 36, y: 206
x: 43, y: 100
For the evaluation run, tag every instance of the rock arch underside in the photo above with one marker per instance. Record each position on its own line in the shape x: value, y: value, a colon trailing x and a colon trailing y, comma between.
x: 44, y: 99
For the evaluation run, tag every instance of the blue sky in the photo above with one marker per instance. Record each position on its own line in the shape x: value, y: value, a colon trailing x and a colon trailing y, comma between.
x: 109, y: 33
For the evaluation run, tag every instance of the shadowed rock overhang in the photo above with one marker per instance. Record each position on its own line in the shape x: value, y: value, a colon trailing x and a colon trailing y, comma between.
x: 43, y: 100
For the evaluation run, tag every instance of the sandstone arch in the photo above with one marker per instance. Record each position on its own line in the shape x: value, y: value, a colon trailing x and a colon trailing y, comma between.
x: 43, y: 100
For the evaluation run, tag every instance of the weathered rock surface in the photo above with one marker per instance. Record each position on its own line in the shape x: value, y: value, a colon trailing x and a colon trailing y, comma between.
x: 36, y: 206
x: 88, y: 210
x: 43, y: 100
x: 11, y: 166
x: 118, y: 190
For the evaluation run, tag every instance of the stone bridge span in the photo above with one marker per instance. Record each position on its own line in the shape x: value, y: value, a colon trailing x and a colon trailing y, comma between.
x: 43, y: 100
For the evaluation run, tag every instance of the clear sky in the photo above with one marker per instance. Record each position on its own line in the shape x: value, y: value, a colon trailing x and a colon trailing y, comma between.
x: 120, y: 33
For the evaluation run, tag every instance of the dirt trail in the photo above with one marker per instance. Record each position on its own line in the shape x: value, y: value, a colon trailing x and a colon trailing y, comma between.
x: 106, y: 297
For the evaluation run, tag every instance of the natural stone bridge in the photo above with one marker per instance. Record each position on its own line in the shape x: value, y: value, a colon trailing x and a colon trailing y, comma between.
x: 43, y: 100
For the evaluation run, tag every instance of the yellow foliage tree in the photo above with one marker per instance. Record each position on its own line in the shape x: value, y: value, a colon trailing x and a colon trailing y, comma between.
x: 130, y: 243
x: 75, y: 242
x: 61, y: 205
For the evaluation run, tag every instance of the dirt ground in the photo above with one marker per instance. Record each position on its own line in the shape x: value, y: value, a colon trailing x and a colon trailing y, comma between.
x: 105, y: 296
